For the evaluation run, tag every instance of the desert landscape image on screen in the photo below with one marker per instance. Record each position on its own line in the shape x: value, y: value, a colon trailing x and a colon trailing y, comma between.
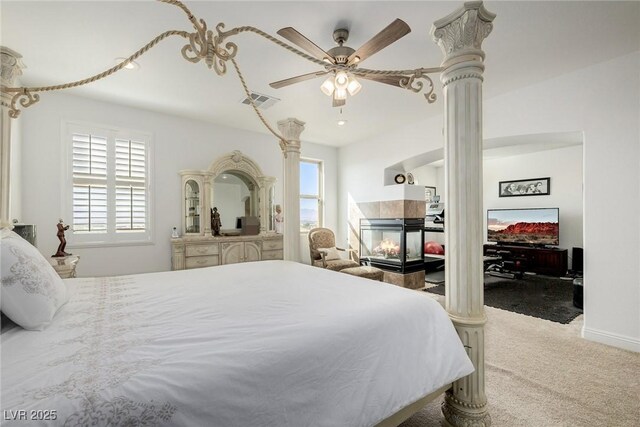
x: 524, y: 226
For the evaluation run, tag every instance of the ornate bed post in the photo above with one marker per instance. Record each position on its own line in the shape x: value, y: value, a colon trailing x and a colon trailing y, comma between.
x: 11, y: 68
x: 460, y: 36
x: 291, y: 130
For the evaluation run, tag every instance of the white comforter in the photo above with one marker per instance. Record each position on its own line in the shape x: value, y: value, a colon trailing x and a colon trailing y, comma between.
x: 268, y: 343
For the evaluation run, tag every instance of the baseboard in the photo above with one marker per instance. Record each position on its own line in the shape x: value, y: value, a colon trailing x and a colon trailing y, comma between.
x: 615, y: 340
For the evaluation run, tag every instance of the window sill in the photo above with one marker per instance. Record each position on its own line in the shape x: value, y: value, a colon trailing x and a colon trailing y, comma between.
x: 110, y: 244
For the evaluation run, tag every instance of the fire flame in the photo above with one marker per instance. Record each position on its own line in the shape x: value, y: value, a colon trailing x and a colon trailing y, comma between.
x: 387, y: 247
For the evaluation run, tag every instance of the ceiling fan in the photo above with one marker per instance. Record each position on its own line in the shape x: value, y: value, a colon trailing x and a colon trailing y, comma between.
x: 342, y: 81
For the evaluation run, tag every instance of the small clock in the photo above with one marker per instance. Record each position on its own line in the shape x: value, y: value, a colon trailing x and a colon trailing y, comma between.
x: 400, y: 179
x: 410, y: 178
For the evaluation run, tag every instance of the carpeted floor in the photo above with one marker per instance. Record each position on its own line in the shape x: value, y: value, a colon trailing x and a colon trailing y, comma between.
x: 542, y: 374
x: 548, y: 298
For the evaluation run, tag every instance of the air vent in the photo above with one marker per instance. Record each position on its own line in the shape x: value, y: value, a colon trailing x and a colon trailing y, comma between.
x: 262, y: 101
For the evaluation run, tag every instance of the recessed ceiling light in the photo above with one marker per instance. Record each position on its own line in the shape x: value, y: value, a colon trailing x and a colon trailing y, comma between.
x: 131, y: 65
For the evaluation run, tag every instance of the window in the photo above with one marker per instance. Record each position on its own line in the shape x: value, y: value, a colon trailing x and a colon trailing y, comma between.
x: 108, y: 182
x: 310, y: 194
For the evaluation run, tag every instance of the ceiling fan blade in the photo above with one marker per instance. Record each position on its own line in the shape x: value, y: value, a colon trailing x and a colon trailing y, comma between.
x: 393, y: 32
x: 294, y: 36
x: 386, y: 79
x: 286, y: 82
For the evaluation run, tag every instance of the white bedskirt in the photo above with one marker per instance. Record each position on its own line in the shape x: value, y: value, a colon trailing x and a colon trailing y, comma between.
x: 270, y: 343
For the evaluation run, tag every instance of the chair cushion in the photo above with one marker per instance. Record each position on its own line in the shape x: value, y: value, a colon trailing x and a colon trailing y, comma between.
x: 365, y: 271
x: 336, y: 265
x: 330, y: 253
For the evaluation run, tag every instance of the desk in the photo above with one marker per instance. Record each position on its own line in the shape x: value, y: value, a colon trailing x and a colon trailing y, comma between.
x: 433, y: 262
x: 65, y: 266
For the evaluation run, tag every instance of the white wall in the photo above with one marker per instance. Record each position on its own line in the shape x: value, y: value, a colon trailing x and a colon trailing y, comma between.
x: 426, y: 176
x: 563, y: 166
x: 602, y: 101
x: 178, y: 144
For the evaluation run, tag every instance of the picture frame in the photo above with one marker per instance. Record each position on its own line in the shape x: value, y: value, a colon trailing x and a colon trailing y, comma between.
x: 525, y: 187
x: 429, y: 193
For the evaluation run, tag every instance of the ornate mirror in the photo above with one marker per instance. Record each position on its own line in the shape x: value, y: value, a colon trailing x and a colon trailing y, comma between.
x: 239, y: 190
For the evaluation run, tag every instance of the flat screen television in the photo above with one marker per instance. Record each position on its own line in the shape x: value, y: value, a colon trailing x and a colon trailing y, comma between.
x: 536, y: 227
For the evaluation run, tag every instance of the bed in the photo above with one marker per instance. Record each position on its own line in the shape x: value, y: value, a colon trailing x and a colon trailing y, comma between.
x: 270, y: 343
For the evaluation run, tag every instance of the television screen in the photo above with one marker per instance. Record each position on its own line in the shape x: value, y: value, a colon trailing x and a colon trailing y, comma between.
x: 524, y: 226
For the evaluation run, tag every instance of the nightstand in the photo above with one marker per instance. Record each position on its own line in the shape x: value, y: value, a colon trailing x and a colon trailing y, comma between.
x: 65, y: 266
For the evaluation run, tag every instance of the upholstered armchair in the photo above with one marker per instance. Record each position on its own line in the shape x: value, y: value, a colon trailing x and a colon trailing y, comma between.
x: 323, y: 251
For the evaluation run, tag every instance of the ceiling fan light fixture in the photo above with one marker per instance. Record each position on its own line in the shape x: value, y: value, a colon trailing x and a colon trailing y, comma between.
x: 354, y: 86
x: 340, y: 94
x: 327, y: 87
x: 342, y: 80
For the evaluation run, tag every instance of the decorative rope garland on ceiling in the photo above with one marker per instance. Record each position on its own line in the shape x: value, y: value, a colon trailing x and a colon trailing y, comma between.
x: 204, y: 45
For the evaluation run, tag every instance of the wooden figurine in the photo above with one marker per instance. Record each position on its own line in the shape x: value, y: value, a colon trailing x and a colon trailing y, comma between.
x: 215, y: 221
x: 63, y: 242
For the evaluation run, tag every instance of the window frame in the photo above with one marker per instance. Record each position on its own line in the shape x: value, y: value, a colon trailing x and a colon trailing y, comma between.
x: 111, y: 237
x: 320, y: 196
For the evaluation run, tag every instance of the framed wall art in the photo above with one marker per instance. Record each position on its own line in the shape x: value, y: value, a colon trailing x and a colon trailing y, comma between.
x: 429, y: 192
x: 525, y: 187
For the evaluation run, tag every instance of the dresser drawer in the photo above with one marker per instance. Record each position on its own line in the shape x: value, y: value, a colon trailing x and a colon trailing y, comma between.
x: 202, y: 261
x: 200, y: 250
x: 267, y: 255
x: 268, y: 245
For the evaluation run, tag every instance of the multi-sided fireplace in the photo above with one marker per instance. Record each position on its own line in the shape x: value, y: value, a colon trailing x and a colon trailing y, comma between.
x: 393, y: 244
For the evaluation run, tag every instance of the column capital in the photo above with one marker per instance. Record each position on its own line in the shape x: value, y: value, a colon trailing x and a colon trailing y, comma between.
x: 461, y: 33
x: 12, y: 66
x: 291, y: 129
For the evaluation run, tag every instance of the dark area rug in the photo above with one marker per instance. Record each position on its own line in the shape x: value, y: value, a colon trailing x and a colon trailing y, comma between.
x: 538, y: 296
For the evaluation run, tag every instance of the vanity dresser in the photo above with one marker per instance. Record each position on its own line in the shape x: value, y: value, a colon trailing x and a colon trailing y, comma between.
x: 235, y: 185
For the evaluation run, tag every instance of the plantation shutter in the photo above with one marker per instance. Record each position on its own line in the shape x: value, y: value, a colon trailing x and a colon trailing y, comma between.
x: 131, y: 172
x: 89, y: 183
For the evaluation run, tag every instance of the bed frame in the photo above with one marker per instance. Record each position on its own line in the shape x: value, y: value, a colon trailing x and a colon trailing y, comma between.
x: 460, y: 36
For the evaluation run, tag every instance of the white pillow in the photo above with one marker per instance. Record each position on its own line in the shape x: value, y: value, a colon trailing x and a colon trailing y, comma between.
x: 32, y: 291
x: 330, y: 254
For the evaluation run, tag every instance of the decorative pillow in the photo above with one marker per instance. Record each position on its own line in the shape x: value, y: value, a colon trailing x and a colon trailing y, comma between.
x: 434, y: 248
x: 32, y: 291
x: 330, y: 254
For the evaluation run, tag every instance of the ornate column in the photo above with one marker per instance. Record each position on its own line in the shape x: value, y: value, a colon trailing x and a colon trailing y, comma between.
x: 460, y: 36
x: 291, y: 129
x: 11, y: 68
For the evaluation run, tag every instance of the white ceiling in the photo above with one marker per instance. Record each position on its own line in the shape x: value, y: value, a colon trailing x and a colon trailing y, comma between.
x: 531, y: 42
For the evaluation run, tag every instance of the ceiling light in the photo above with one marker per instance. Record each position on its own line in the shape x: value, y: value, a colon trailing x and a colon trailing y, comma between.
x: 340, y: 93
x: 354, y: 86
x: 339, y: 86
x: 341, y: 119
x: 327, y: 87
x: 342, y: 80
x: 130, y: 65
